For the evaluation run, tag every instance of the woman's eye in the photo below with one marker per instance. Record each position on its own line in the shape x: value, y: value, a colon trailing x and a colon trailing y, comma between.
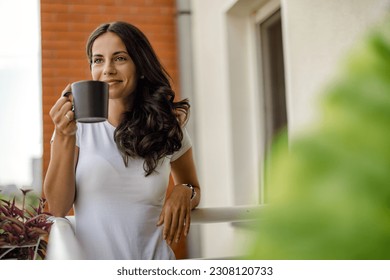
x: 97, y: 60
x: 120, y: 58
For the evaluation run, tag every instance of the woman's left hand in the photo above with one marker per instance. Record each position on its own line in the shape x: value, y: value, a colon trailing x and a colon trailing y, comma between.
x: 176, y: 214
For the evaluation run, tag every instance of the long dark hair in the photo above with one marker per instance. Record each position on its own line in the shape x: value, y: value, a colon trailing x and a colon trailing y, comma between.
x: 152, y: 127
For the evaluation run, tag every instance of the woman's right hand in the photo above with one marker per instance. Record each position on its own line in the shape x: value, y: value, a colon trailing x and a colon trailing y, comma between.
x: 62, y: 115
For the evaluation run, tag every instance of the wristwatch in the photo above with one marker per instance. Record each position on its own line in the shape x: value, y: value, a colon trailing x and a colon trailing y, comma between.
x: 192, y: 189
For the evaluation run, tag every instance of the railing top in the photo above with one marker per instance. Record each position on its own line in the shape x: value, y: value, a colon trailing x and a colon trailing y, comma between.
x: 207, y: 215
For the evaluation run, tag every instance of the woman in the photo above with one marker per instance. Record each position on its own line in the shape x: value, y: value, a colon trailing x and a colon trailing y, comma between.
x: 116, y: 172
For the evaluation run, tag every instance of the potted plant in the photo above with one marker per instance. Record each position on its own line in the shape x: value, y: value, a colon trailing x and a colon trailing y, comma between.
x: 23, y: 228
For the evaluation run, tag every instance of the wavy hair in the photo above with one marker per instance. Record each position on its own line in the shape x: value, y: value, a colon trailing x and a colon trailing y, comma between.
x: 152, y: 127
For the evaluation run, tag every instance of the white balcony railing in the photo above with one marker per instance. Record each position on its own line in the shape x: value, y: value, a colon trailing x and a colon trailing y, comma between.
x: 63, y: 244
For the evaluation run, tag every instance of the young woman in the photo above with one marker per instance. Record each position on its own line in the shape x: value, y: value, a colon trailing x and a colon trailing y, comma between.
x: 115, y: 173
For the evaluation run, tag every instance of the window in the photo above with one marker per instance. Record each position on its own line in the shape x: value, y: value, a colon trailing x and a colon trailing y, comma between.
x: 273, y: 76
x: 272, y: 89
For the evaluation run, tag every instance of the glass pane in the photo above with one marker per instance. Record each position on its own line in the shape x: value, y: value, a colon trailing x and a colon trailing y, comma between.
x: 273, y: 75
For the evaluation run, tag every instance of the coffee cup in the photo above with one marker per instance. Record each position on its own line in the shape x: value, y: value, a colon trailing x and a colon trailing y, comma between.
x: 90, y: 101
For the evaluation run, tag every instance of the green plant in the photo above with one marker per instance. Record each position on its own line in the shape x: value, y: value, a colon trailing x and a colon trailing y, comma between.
x: 23, y: 229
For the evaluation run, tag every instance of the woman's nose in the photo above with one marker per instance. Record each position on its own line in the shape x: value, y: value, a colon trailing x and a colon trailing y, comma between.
x: 109, y: 68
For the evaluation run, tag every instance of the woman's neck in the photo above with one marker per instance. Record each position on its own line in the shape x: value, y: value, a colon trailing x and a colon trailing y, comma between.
x: 115, y: 111
x: 116, y: 108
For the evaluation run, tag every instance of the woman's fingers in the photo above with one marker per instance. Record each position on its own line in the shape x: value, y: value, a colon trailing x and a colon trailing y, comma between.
x: 160, y: 219
x: 175, y: 215
x: 167, y: 225
x: 65, y: 109
x: 176, y: 222
x: 65, y: 96
x: 57, y: 107
x: 62, y: 114
x: 67, y: 91
x: 173, y: 224
x: 182, y: 218
x: 174, y: 227
x: 188, y: 222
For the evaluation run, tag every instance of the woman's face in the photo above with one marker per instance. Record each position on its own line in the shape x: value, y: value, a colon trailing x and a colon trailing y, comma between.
x: 112, y: 64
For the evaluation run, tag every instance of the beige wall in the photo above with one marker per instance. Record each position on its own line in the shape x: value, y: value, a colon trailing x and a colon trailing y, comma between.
x: 227, y: 85
x: 317, y: 34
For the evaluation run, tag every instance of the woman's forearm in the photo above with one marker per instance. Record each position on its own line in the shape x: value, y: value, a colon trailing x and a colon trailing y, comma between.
x: 59, y: 185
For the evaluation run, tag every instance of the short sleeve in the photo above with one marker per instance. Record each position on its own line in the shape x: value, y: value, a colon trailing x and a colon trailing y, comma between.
x: 186, y: 144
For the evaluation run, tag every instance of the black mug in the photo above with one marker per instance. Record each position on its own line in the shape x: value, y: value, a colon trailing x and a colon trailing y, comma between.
x: 90, y: 100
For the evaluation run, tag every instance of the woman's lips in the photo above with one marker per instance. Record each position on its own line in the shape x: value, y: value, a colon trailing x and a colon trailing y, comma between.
x: 112, y: 82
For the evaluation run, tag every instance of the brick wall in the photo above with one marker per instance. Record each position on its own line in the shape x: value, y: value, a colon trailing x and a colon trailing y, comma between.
x: 66, y: 25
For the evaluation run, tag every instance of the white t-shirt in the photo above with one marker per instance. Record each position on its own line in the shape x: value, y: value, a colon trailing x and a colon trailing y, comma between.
x: 117, y: 207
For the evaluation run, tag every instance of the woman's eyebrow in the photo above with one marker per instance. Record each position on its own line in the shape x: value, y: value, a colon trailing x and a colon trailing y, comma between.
x: 119, y: 52
x: 115, y: 53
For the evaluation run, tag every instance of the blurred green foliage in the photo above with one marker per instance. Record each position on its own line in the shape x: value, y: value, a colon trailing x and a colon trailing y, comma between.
x: 329, y: 193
